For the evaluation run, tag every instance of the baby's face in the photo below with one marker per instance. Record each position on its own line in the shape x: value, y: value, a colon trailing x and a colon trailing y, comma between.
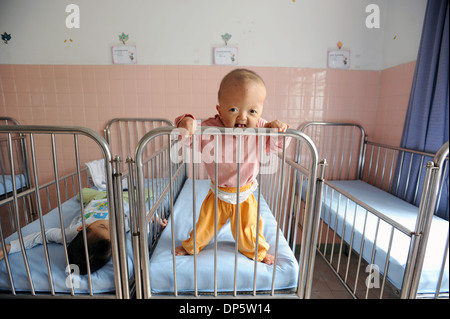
x: 241, y: 105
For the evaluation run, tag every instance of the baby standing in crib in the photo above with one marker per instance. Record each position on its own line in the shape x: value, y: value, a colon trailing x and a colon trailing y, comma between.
x: 241, y: 100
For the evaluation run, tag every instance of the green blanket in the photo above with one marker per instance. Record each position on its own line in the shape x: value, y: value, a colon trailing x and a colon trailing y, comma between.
x: 90, y: 194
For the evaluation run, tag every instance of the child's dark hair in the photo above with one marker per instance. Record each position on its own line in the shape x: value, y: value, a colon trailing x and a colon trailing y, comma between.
x: 99, y: 252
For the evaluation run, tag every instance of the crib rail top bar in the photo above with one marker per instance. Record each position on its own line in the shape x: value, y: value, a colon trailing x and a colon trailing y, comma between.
x: 136, y: 119
x: 9, y: 119
x: 214, y: 130
x: 370, y: 209
x: 302, y: 127
x: 395, y: 148
x: 49, y: 129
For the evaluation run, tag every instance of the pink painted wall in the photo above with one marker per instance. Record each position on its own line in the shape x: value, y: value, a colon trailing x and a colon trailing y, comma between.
x: 91, y: 95
x: 395, y: 87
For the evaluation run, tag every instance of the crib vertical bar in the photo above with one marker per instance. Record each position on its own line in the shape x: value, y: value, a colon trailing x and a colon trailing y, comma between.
x: 120, y: 229
x: 384, y: 168
x: 351, y: 243
x: 291, y: 209
x: 317, y: 209
x: 370, y: 164
x: 342, y: 153
x: 169, y: 137
x: 258, y: 218
x: 236, y: 245
x: 120, y: 137
x: 343, y: 236
x: 389, y: 187
x: 372, y: 257
x: 441, y: 272
x: 86, y: 252
x: 334, y: 153
x: 329, y: 219
x: 376, y: 167
x: 216, y: 178
x: 351, y: 153
x: 128, y: 133
x: 281, y: 183
x: 386, y: 265
x: 39, y: 212
x: 297, y: 210
x: 16, y: 213
x: 363, y: 239
x: 335, y: 227
x: 61, y: 221
x: 134, y: 227
x: 418, y: 178
x: 194, y: 210
x: 400, y: 170
x: 408, y: 175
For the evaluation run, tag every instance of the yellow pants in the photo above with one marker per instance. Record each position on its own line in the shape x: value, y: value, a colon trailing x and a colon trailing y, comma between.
x: 248, y: 211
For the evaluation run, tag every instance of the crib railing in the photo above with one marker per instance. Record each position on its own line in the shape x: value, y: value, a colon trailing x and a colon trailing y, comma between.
x: 48, y: 146
x: 435, y: 172
x: 22, y: 173
x: 123, y: 134
x: 401, y: 172
x: 283, y: 205
x: 398, y: 170
x: 342, y: 144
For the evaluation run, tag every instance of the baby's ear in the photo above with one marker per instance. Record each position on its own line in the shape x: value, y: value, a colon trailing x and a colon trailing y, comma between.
x: 80, y: 228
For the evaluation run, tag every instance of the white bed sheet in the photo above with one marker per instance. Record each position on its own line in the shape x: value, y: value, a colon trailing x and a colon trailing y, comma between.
x: 161, y: 262
x: 102, y: 280
x: 398, y: 210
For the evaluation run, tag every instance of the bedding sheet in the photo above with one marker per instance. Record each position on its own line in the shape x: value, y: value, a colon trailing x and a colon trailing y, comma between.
x: 6, y: 183
x: 102, y: 280
x: 396, y: 209
x: 161, y: 262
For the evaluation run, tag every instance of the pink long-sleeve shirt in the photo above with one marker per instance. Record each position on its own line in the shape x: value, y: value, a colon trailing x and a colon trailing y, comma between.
x: 227, y: 157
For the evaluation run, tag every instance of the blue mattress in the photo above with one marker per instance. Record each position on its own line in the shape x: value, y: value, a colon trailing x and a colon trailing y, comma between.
x: 161, y: 262
x: 398, y: 210
x: 102, y: 280
x: 6, y: 183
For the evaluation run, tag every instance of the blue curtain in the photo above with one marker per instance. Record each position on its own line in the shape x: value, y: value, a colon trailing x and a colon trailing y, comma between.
x: 426, y: 126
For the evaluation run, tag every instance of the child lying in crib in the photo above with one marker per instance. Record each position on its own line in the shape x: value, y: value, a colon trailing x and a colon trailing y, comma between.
x: 97, y: 233
x: 241, y: 99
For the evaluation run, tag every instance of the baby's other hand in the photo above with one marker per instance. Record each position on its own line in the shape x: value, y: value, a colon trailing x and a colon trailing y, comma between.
x: 188, y: 124
x: 282, y: 127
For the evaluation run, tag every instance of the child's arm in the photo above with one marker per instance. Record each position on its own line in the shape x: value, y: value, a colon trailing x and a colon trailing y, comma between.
x: 52, y: 235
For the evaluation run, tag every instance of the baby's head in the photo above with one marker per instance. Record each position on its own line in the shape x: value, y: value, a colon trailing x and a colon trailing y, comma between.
x: 99, y: 247
x: 241, y: 98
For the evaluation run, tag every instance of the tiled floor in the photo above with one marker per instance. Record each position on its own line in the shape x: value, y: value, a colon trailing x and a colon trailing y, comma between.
x: 326, y: 285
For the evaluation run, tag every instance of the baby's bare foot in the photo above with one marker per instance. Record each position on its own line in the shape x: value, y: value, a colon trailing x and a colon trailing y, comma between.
x: 269, y: 259
x: 180, y: 251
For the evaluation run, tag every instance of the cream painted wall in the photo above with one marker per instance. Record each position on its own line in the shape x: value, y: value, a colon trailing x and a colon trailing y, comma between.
x: 283, y: 33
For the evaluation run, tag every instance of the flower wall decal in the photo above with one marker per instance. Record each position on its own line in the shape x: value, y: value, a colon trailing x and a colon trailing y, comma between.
x: 226, y: 37
x: 6, y: 37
